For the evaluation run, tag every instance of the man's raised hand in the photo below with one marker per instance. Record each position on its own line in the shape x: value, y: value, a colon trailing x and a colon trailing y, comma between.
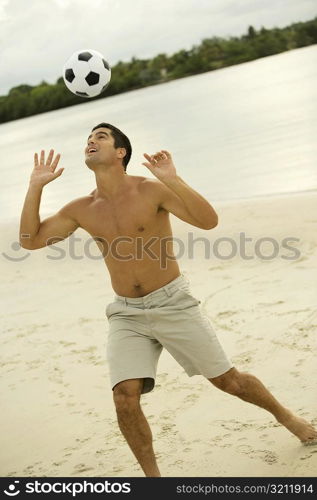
x: 161, y: 165
x: 44, y: 172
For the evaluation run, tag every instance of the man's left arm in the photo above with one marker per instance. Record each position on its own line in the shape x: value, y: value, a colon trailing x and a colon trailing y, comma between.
x: 178, y: 197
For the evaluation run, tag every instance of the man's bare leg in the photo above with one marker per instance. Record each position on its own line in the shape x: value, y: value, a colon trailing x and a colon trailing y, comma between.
x: 134, y: 425
x: 251, y: 389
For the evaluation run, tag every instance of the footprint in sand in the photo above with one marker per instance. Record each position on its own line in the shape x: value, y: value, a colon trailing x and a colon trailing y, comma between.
x: 57, y: 464
x: 177, y: 462
x: 306, y: 457
x: 234, y: 425
x: 269, y: 304
x: 266, y: 456
x: 244, y: 448
x: 168, y: 428
x: 191, y: 398
x: 101, y: 452
x: 167, y: 415
x: 226, y: 313
x: 218, y: 441
x: 243, y: 358
x: 82, y: 440
x: 81, y: 468
x: 117, y: 469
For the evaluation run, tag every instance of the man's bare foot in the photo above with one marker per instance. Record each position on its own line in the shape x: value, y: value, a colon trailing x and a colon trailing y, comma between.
x: 305, y: 431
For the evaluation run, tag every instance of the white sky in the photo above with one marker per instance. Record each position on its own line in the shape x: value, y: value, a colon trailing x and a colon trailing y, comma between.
x: 38, y: 36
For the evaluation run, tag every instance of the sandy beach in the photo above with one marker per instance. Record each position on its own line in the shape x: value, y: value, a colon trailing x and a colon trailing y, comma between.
x: 58, y: 417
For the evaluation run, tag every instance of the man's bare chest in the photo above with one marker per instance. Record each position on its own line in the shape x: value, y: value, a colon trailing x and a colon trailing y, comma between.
x: 130, y: 219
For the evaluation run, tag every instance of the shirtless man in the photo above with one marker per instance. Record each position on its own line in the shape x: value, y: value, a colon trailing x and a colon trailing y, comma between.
x: 153, y: 305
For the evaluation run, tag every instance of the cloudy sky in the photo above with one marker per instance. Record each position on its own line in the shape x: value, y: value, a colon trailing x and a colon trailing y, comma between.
x: 38, y: 36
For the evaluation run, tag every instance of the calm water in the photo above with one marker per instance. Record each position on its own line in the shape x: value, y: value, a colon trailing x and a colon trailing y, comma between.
x: 245, y: 131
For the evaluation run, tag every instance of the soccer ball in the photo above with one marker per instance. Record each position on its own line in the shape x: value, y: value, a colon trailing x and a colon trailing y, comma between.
x: 86, y: 73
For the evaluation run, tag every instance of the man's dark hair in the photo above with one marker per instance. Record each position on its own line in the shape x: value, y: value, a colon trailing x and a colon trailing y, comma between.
x: 120, y: 141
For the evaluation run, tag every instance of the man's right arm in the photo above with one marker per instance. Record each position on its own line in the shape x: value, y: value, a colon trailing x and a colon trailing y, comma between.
x: 34, y: 233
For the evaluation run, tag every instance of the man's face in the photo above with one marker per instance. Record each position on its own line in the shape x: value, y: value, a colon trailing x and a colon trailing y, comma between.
x: 100, y: 148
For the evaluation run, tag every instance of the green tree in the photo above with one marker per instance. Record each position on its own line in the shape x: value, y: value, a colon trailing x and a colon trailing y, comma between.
x: 251, y: 33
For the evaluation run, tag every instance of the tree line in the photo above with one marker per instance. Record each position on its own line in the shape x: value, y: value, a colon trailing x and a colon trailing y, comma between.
x: 211, y: 54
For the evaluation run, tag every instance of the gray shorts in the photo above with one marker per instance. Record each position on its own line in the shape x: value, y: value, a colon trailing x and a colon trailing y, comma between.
x: 169, y: 317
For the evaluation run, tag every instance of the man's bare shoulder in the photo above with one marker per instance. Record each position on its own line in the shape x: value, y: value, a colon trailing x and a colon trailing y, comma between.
x: 155, y: 188
x: 149, y: 183
x: 74, y: 207
x: 152, y: 189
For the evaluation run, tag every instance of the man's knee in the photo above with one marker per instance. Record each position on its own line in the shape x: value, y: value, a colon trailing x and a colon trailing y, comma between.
x: 126, y: 395
x: 231, y: 382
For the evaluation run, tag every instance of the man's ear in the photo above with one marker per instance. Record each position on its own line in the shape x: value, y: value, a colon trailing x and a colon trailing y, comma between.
x: 122, y: 152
